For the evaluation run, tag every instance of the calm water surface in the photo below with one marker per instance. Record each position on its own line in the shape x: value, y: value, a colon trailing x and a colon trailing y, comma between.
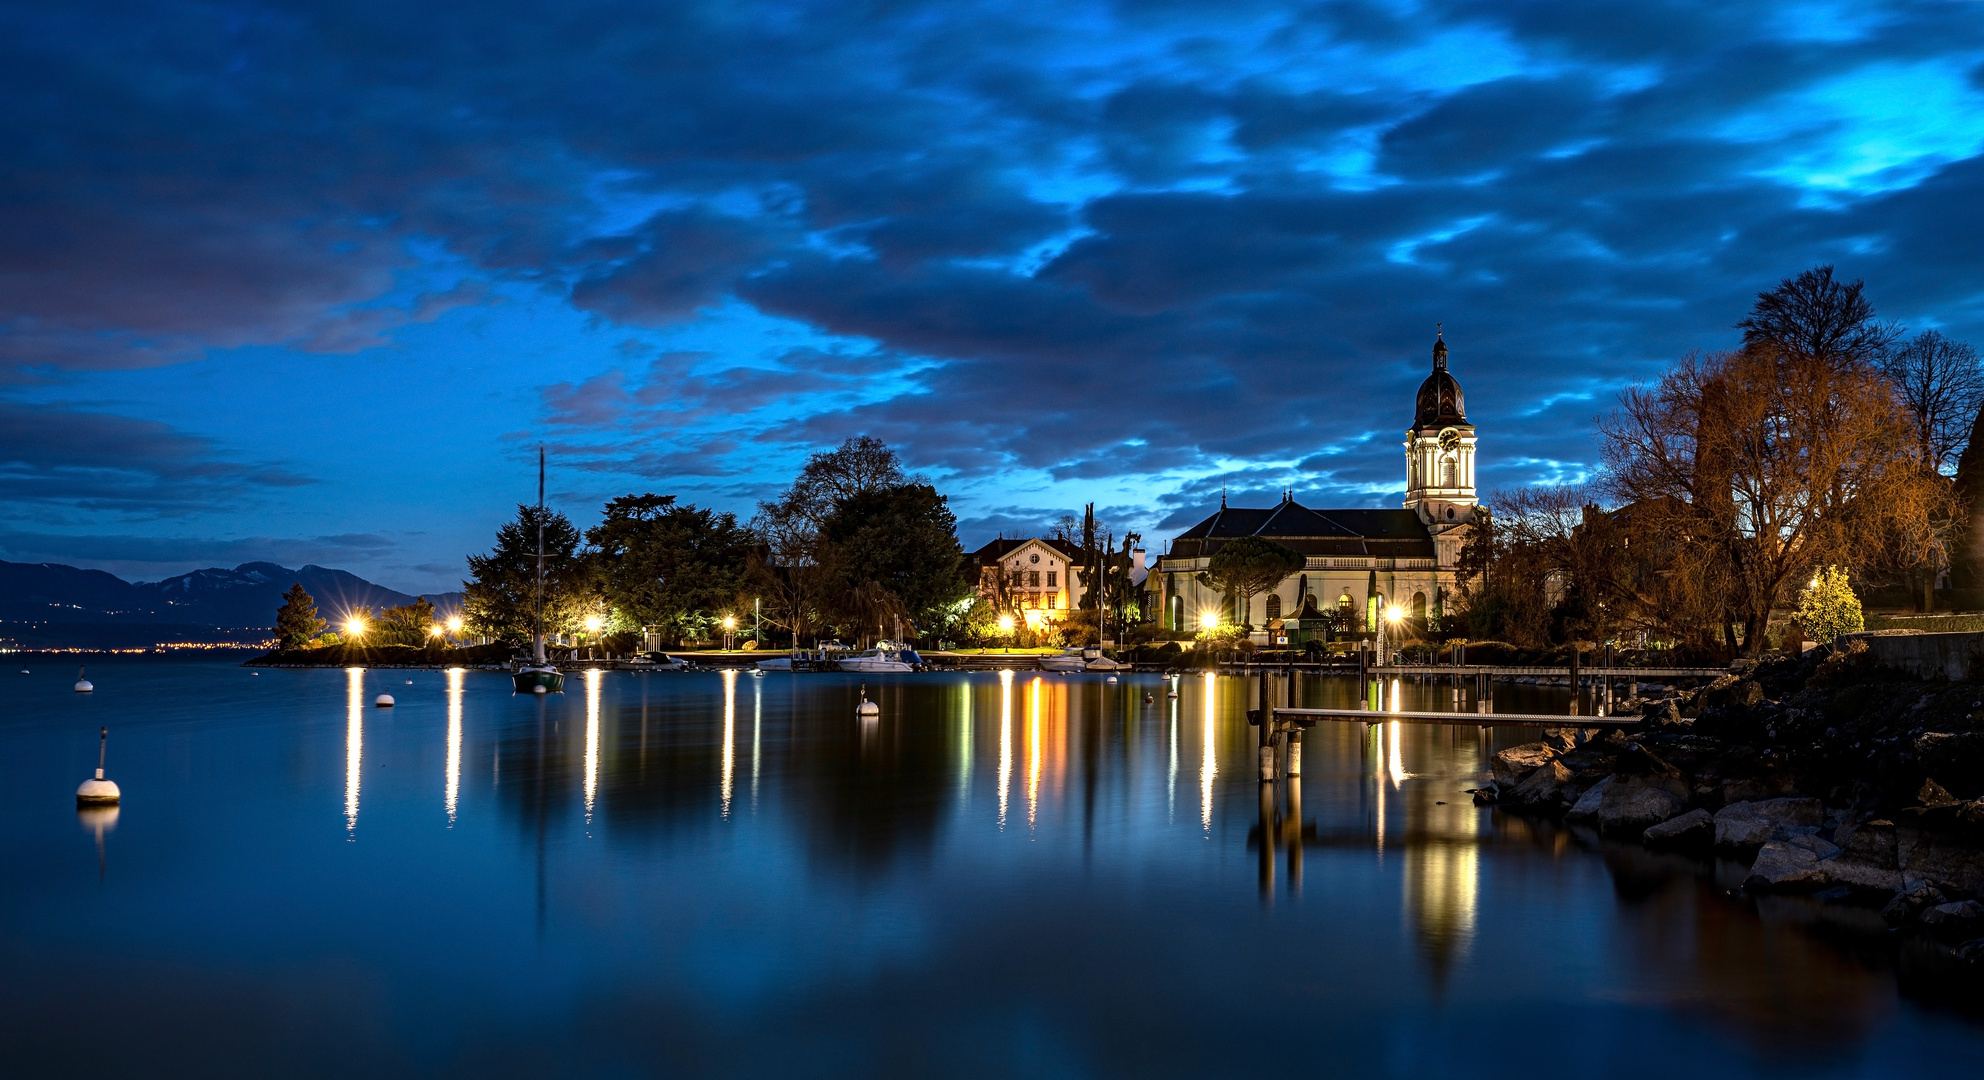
x: 721, y: 874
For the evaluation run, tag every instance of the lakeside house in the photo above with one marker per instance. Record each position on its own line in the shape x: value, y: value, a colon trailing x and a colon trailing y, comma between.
x: 1036, y: 575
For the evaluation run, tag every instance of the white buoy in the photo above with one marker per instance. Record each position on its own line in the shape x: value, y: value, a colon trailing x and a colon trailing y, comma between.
x: 1111, y: 678
x: 383, y: 701
x: 409, y: 682
x: 83, y: 685
x: 867, y: 708
x: 97, y: 791
x: 538, y: 688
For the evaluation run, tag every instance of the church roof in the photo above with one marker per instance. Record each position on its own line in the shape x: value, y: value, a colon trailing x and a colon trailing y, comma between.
x: 1440, y: 402
x: 1000, y: 548
x: 1393, y: 534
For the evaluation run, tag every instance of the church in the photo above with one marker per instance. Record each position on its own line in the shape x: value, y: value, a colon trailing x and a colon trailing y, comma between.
x: 1358, y: 563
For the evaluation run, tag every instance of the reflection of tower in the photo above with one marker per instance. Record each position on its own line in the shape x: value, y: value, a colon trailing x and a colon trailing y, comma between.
x: 1442, y: 864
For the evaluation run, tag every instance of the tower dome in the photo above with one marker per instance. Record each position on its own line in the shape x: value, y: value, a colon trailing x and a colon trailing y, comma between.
x: 1440, y: 403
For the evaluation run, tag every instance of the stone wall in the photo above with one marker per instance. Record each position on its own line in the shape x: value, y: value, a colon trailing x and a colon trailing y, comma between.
x: 1956, y: 657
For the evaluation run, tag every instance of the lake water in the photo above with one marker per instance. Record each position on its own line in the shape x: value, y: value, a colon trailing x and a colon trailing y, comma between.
x: 729, y: 875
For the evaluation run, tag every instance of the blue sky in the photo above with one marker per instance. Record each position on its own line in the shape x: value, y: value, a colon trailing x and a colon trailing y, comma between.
x: 309, y: 282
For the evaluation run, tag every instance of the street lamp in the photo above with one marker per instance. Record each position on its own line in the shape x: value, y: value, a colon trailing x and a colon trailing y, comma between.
x: 455, y: 625
x: 354, y: 627
x: 1006, y: 628
x: 1394, y: 614
x: 1208, y: 620
x: 729, y: 625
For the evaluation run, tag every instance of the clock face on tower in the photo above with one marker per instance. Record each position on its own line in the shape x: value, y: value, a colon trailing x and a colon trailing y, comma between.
x: 1449, y: 438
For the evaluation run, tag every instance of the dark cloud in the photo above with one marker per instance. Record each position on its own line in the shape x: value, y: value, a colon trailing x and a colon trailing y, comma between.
x: 1200, y: 245
x: 54, y: 456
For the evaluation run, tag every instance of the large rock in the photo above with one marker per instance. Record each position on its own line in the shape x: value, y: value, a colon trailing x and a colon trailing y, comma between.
x: 1586, y: 808
x: 1957, y: 755
x: 1956, y: 921
x: 1907, y: 905
x: 1755, y: 823
x: 1697, y: 826
x: 1950, y: 863
x: 1511, y: 766
x: 1633, y: 803
x: 1546, y: 788
x: 1791, y: 864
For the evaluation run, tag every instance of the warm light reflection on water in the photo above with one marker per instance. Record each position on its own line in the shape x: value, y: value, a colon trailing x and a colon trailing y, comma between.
x: 757, y: 730
x: 1005, y: 742
x: 1208, y: 758
x: 1397, y: 756
x: 593, y: 677
x: 729, y: 735
x: 1033, y: 753
x: 354, y: 743
x: 454, y: 786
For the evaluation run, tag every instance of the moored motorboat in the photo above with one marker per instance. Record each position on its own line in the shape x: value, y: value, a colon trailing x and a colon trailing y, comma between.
x: 1089, y: 658
x: 883, y: 658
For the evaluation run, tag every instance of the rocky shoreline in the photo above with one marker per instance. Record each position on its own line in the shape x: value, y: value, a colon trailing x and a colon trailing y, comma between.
x: 1829, y: 775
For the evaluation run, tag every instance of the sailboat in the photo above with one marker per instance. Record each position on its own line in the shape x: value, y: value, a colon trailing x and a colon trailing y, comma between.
x: 539, y: 676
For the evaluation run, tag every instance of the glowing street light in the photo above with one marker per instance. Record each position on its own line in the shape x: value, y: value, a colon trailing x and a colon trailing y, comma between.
x: 455, y: 625
x: 354, y: 627
x: 1208, y: 620
x: 435, y: 631
x: 729, y: 628
x: 593, y: 623
x: 1395, y: 613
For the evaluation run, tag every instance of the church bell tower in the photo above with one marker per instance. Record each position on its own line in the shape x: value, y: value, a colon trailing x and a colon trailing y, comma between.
x: 1439, y: 457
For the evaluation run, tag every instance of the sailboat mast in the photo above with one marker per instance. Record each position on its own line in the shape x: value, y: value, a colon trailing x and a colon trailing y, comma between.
x: 537, y: 595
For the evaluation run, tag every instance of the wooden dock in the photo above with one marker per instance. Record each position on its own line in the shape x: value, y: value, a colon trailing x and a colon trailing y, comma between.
x: 1306, y: 717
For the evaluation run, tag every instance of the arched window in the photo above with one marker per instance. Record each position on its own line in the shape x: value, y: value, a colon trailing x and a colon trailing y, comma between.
x: 1177, y: 610
x: 1419, y: 607
x: 1373, y: 607
x: 1274, y: 606
x: 1447, y: 473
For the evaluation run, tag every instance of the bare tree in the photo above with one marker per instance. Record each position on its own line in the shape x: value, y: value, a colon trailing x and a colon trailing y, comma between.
x: 1941, y: 386
x: 1815, y: 318
x: 1779, y: 460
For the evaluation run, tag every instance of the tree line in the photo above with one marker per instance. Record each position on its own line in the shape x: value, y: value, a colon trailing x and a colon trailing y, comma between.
x: 1827, y: 438
x: 854, y: 548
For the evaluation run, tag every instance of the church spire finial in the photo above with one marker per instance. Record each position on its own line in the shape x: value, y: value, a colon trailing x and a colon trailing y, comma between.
x: 1439, y: 347
x: 1222, y: 496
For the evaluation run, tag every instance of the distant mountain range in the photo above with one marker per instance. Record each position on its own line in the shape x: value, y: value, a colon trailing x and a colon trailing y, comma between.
x: 48, y: 605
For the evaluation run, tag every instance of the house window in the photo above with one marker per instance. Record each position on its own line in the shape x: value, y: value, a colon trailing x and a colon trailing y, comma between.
x: 1274, y: 607
x: 1447, y: 473
x: 1033, y: 578
x: 1051, y: 575
x: 1053, y: 601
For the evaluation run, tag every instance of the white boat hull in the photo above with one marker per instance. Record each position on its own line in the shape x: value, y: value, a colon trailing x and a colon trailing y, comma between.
x: 868, y: 665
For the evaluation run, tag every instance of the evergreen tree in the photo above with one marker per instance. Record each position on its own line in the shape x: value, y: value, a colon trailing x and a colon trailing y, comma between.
x: 676, y: 568
x: 902, y: 539
x: 408, y: 624
x: 1828, y: 607
x: 1250, y: 565
x: 498, y: 602
x: 296, y: 620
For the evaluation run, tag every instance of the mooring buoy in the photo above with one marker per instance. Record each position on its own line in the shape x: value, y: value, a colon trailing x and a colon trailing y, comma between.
x: 383, y: 701
x: 83, y: 685
x: 867, y: 708
x: 97, y: 791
